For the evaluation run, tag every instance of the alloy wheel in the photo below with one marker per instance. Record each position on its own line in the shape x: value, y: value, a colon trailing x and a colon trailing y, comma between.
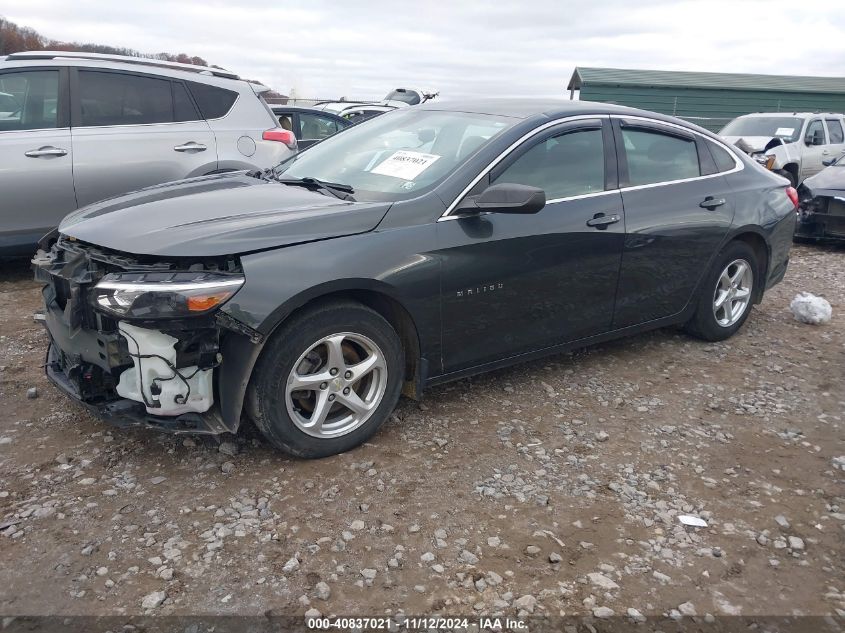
x: 336, y: 385
x: 733, y: 292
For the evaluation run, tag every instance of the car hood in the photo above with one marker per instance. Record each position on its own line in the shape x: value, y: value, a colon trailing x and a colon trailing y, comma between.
x: 753, y: 143
x: 216, y: 215
x: 828, y: 179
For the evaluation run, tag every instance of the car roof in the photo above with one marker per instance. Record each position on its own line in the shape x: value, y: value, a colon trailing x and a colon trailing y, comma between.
x: 789, y: 114
x: 525, y: 108
x: 173, y: 70
x: 287, y: 108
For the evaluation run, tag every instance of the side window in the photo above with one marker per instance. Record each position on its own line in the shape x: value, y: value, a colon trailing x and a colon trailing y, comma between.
x: 570, y: 164
x: 285, y: 121
x: 183, y: 107
x: 123, y: 99
x: 835, y: 128
x: 656, y: 157
x: 724, y: 160
x: 214, y: 102
x: 29, y: 100
x: 317, y: 127
x: 815, y: 128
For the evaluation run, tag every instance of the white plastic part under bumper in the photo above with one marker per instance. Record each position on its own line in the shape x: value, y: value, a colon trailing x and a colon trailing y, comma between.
x: 156, y: 381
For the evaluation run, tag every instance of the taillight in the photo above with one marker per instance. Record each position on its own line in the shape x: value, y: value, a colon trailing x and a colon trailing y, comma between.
x: 280, y: 135
x: 792, y: 195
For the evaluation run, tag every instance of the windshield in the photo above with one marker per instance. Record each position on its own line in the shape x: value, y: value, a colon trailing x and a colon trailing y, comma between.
x: 787, y: 128
x: 408, y: 96
x: 397, y: 155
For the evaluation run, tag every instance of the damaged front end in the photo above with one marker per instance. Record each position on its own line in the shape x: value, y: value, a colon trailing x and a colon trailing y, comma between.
x: 772, y: 155
x: 821, y: 213
x: 139, y: 340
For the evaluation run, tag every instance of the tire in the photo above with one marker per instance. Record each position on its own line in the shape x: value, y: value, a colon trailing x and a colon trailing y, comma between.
x: 289, y: 418
x: 717, y: 324
x: 793, y: 181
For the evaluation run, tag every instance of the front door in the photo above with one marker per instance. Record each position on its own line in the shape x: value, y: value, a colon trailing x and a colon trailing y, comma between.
x: 131, y: 131
x: 814, y: 153
x: 516, y: 283
x: 36, y: 168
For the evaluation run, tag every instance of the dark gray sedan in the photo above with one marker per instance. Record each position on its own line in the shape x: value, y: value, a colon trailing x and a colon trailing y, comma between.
x: 425, y: 245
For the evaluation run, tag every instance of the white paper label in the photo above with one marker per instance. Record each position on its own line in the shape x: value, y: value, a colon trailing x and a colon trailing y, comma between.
x: 405, y: 164
x: 784, y: 131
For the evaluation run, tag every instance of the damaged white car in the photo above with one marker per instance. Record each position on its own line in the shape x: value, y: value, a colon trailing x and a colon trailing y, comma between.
x: 794, y: 145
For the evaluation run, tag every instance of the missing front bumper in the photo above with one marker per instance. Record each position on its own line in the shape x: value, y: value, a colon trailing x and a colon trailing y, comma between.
x: 128, y: 413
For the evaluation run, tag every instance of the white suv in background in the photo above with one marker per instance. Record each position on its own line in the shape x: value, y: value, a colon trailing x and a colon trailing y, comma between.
x: 83, y: 127
x: 796, y: 145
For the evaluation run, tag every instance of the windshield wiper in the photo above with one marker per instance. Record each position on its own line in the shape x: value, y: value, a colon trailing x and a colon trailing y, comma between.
x: 336, y: 189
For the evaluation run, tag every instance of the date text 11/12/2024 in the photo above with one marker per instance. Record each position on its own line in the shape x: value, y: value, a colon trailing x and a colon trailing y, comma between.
x: 417, y: 623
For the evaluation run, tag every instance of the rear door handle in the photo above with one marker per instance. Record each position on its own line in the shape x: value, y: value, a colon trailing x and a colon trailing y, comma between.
x: 190, y: 147
x: 47, y: 150
x: 602, y: 221
x: 711, y: 203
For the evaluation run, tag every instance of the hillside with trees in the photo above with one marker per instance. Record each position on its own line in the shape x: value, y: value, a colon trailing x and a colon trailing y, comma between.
x: 14, y: 39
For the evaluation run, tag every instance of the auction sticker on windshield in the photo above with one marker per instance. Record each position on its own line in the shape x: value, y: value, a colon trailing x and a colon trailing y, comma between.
x: 784, y: 131
x: 405, y: 164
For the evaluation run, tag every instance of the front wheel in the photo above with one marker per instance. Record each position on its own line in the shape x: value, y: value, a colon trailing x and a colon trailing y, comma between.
x: 327, y: 380
x: 793, y: 181
x: 726, y: 295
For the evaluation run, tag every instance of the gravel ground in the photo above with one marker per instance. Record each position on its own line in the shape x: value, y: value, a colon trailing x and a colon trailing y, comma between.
x: 551, y: 487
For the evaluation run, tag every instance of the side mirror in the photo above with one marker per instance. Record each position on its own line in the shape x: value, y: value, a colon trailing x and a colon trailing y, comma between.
x: 816, y: 138
x: 506, y: 198
x: 828, y: 162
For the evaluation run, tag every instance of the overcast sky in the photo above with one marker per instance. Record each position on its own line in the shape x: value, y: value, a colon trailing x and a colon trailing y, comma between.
x: 363, y: 49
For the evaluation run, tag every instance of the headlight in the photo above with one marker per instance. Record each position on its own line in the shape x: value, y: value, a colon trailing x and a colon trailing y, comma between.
x: 765, y: 160
x: 164, y: 295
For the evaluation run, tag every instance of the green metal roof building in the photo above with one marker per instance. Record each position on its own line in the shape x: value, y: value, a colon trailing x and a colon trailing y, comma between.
x: 708, y: 99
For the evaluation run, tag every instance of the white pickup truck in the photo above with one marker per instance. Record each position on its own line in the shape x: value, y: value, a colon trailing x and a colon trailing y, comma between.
x: 796, y: 145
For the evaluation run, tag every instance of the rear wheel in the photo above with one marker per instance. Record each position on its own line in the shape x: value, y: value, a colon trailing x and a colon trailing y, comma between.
x: 328, y: 380
x: 727, y: 293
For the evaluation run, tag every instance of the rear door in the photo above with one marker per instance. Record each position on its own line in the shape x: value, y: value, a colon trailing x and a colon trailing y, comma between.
x: 677, y: 212
x: 835, y: 137
x: 36, y: 154
x: 516, y: 283
x: 132, y: 130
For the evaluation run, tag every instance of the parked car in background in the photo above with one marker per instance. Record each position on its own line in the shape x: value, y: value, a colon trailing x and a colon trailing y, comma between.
x: 822, y: 203
x: 308, y: 124
x: 92, y: 126
x: 358, y: 113
x: 432, y: 243
x: 795, y: 145
x: 408, y: 96
x: 354, y: 112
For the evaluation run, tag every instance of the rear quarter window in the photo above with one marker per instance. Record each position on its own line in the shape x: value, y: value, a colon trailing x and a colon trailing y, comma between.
x: 213, y: 102
x: 722, y: 157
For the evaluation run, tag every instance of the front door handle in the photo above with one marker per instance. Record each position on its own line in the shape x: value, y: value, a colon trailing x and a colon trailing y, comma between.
x: 711, y: 203
x: 602, y: 221
x: 190, y: 147
x: 47, y: 150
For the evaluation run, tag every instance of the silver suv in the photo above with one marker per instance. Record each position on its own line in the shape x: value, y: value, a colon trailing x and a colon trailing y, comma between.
x: 80, y: 127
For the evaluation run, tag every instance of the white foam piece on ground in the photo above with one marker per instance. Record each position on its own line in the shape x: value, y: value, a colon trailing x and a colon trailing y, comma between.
x: 686, y: 519
x: 808, y: 308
